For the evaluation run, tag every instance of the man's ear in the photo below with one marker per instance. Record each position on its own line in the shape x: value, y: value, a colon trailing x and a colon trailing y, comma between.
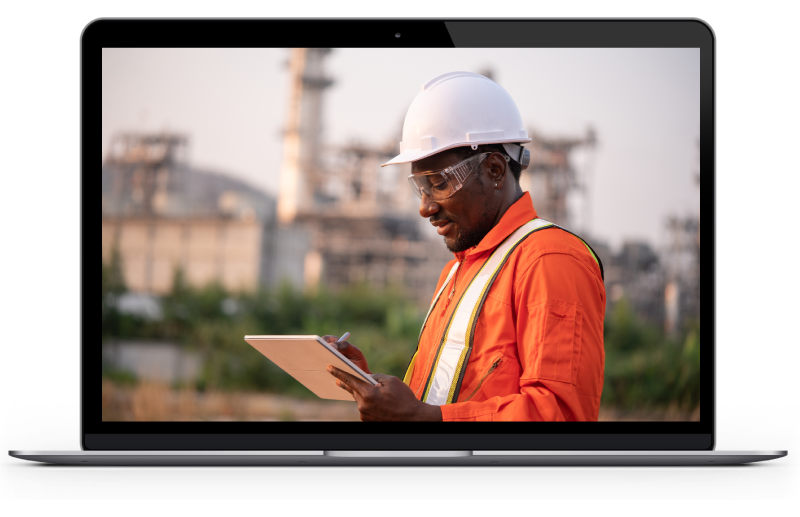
x: 498, y: 169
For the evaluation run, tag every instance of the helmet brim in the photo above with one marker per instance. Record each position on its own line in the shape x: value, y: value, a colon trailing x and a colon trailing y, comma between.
x: 413, y: 155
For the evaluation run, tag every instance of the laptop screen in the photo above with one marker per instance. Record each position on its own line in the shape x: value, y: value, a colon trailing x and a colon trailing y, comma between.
x: 507, y: 234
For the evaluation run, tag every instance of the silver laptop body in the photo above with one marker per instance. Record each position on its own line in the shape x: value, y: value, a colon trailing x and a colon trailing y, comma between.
x: 398, y: 449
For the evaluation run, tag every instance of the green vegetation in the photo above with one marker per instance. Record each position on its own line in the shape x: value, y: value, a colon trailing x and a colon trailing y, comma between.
x: 212, y: 321
x: 644, y: 369
x: 113, y: 286
x: 120, y: 377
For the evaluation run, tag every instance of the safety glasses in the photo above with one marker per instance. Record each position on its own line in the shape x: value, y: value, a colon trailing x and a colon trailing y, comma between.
x: 442, y: 184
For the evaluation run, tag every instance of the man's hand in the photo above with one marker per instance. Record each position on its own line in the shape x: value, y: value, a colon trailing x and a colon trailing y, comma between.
x: 349, y: 351
x: 390, y: 401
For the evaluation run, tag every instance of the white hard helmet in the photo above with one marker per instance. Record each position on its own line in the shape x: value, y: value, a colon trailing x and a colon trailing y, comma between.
x: 459, y: 109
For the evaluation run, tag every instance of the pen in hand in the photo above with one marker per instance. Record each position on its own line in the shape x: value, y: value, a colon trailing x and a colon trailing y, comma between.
x: 353, y: 354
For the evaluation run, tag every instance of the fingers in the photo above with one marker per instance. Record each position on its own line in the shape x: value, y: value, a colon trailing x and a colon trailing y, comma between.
x: 345, y: 387
x: 341, y: 346
x: 331, y: 340
x: 346, y: 381
x: 338, y: 373
x: 381, y: 378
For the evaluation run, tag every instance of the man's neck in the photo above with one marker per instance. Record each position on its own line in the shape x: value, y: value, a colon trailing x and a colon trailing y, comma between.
x: 508, y: 201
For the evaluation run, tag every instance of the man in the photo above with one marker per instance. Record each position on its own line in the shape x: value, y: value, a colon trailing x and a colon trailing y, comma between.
x: 515, y: 330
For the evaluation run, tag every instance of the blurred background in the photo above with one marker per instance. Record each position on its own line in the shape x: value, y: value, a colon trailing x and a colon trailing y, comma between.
x: 242, y: 194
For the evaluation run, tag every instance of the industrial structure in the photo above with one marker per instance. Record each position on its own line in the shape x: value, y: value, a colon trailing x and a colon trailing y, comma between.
x: 162, y: 215
x: 662, y: 286
x: 362, y: 218
x: 682, y: 253
x: 554, y: 180
x: 635, y: 274
x: 301, y: 171
x: 341, y: 219
x: 682, y: 290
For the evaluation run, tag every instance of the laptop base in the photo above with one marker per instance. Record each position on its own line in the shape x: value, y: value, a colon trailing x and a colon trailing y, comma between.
x: 398, y: 458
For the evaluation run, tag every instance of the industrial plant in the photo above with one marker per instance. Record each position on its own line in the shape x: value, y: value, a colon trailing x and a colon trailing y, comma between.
x: 341, y: 219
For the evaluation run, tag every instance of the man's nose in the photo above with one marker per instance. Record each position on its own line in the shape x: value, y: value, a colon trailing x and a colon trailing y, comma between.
x: 427, y: 207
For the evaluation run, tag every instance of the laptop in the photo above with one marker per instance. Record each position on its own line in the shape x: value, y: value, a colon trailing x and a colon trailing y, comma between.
x: 504, y: 216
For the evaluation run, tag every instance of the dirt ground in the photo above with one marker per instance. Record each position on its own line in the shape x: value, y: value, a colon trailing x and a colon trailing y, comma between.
x: 157, y: 402
x: 152, y: 402
x: 671, y: 414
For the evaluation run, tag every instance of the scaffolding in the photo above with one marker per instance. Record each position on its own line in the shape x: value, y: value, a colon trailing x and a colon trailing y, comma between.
x: 553, y: 177
x: 361, y: 217
x: 161, y: 214
x: 144, y: 162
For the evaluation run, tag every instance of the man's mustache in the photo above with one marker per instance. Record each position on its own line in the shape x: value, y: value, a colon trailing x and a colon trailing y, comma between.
x: 433, y: 219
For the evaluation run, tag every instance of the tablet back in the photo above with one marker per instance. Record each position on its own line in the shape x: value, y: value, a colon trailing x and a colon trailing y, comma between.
x: 306, y: 358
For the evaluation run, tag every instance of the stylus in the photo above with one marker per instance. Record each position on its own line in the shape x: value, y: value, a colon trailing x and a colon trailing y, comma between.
x: 346, y: 335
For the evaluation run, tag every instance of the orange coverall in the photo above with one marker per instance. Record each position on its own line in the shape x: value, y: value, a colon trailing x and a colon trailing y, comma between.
x: 538, y: 348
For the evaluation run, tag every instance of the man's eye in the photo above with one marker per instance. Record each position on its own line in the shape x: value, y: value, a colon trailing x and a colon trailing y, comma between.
x: 439, y: 186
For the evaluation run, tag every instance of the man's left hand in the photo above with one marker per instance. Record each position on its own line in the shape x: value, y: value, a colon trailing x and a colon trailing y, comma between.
x: 390, y: 401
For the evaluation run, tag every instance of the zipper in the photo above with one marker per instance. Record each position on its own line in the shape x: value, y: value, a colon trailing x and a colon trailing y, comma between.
x: 494, y: 365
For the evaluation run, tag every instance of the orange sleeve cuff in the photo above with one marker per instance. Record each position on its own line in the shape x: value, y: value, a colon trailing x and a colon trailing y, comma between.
x: 467, y: 412
x: 447, y: 413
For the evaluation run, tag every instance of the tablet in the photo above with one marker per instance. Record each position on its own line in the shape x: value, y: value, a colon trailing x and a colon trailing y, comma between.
x: 306, y: 358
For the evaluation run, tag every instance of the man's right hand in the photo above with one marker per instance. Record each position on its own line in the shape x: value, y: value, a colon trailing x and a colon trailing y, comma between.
x: 349, y: 351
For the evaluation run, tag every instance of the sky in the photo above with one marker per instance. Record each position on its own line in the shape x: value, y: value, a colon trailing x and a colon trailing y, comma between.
x: 644, y: 105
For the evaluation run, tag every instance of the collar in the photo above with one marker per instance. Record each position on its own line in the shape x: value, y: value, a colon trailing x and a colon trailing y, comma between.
x: 517, y: 214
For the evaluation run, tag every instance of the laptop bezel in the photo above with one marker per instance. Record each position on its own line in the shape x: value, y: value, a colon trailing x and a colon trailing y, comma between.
x: 377, y: 33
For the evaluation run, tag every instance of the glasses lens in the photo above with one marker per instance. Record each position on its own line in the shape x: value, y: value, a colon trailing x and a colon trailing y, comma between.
x: 415, y: 187
x: 436, y: 186
x: 443, y: 184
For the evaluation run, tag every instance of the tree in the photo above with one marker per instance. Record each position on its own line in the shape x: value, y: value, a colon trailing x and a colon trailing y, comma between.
x: 113, y: 286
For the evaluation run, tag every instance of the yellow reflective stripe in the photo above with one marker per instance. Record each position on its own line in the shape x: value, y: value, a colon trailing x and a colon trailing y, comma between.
x: 456, y: 375
x: 447, y: 333
x: 407, y: 376
x: 452, y: 354
x: 410, y: 369
x: 472, y: 317
x: 446, y: 374
x: 436, y: 299
x: 430, y: 380
x: 590, y: 251
x: 475, y: 312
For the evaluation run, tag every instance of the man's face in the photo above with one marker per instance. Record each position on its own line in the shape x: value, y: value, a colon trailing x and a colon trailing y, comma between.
x: 466, y: 217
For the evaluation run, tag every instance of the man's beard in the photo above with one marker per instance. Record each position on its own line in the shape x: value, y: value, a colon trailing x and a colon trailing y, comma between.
x: 472, y: 237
